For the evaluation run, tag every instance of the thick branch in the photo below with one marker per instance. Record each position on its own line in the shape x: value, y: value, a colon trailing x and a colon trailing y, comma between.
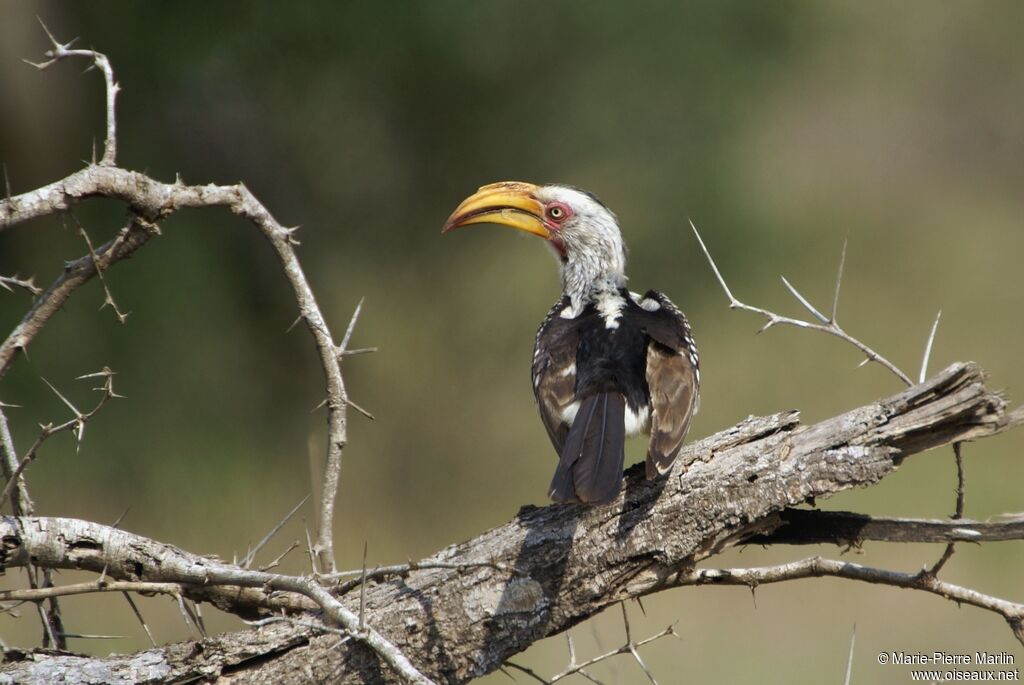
x: 553, y: 567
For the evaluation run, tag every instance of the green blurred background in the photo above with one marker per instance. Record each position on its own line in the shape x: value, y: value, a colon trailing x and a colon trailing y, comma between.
x: 780, y: 128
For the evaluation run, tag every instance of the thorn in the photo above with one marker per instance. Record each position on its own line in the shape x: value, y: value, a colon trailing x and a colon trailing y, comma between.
x: 138, y: 615
x: 714, y: 267
x: 250, y: 557
x: 64, y: 399
x: 753, y: 595
x: 362, y: 594
x: 7, y: 183
x: 849, y: 659
x: 359, y: 409
x: 625, y: 620
x: 49, y: 35
x: 319, y: 406
x: 807, y: 305
x: 104, y: 373
x: 312, y: 553
x: 351, y: 327
x: 928, y: 349
x: 641, y: 605
x: 117, y: 521
x: 839, y: 280
x: 358, y: 350
x: 86, y: 636
x: 293, y: 324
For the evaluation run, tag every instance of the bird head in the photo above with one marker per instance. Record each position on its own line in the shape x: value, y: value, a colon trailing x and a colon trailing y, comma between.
x: 581, y: 230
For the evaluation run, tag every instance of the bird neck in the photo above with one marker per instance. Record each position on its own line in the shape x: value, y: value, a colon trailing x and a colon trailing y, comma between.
x: 587, y: 274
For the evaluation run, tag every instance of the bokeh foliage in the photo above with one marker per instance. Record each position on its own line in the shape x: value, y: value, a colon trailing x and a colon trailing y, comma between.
x: 780, y: 128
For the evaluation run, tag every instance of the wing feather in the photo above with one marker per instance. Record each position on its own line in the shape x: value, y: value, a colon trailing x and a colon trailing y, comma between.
x: 673, y: 379
x: 554, y: 372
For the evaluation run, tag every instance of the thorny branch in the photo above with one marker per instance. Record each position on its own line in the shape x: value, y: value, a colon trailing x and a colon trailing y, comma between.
x: 958, y: 513
x: 816, y: 567
x: 827, y: 324
x: 99, y: 60
x: 630, y: 647
x: 149, y: 203
x: 6, y: 282
x: 76, y: 424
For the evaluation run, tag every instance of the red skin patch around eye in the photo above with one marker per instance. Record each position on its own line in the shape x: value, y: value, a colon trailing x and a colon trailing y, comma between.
x: 554, y: 225
x: 552, y: 222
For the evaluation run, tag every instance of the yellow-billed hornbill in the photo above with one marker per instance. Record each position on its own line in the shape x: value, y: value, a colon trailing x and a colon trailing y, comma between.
x: 607, y: 362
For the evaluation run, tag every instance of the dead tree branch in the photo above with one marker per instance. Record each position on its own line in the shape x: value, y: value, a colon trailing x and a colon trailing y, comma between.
x: 817, y: 567
x: 826, y: 324
x: 844, y: 528
x: 464, y: 611
x: 150, y: 202
x: 474, y: 605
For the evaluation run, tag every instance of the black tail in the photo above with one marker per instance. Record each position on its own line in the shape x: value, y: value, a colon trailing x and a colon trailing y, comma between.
x: 590, y: 467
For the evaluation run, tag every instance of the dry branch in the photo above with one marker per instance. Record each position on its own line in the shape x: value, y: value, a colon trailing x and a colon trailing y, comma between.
x: 468, y: 608
x: 148, y: 203
x: 470, y: 615
x: 815, y: 527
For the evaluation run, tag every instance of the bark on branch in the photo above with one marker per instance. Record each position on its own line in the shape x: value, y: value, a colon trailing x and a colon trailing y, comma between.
x: 549, y: 568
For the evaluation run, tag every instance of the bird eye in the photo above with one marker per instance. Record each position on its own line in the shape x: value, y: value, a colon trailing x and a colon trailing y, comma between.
x: 557, y: 212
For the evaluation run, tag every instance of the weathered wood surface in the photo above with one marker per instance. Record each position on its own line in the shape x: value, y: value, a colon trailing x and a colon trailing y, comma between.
x: 570, y: 562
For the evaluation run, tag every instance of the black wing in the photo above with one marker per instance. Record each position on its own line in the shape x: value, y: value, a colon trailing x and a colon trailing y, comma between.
x: 554, y: 371
x: 673, y: 378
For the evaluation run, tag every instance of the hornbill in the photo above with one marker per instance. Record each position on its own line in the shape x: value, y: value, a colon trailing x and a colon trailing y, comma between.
x: 607, y: 362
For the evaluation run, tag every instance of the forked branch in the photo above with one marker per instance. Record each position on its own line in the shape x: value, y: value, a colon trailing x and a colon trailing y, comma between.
x: 825, y: 324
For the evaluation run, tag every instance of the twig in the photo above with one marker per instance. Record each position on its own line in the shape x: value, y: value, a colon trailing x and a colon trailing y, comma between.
x: 816, y: 567
x: 77, y: 424
x: 958, y: 513
x: 277, y: 560
x: 6, y: 282
x: 151, y: 201
x: 108, y: 299
x: 629, y: 647
x: 87, y: 588
x: 22, y: 503
x: 828, y: 325
x: 61, y: 51
x: 76, y: 273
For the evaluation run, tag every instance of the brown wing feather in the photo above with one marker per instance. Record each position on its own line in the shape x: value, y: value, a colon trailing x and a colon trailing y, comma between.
x: 673, y: 378
x: 553, y: 370
x: 673, y: 387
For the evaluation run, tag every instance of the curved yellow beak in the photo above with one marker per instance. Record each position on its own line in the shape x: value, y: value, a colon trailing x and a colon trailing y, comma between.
x: 509, y: 203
